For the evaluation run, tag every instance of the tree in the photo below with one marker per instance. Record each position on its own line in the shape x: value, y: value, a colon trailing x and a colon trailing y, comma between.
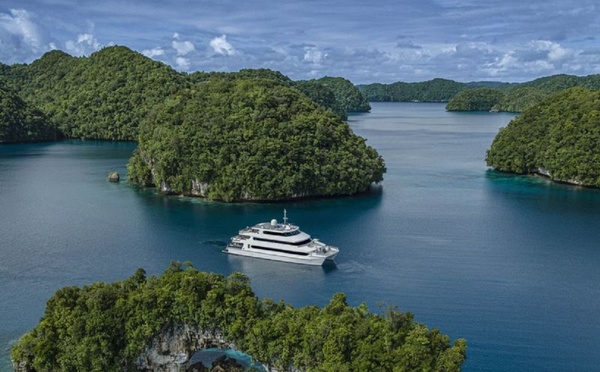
x: 105, y: 326
x: 477, y: 99
x: 240, y: 139
x: 557, y: 137
x: 19, y: 122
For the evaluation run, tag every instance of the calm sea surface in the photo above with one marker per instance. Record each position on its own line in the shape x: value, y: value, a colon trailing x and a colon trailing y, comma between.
x: 510, y: 263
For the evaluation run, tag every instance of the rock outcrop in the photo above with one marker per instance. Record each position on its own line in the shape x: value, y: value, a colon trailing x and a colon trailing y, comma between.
x: 114, y: 177
x: 173, y: 347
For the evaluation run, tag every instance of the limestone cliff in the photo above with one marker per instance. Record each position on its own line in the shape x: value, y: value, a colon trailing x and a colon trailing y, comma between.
x: 173, y: 347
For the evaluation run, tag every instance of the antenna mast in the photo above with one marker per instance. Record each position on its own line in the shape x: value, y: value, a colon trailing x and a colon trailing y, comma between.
x: 284, y: 217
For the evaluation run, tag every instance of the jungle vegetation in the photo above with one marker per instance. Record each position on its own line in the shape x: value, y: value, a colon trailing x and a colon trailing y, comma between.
x: 334, y: 93
x: 105, y: 327
x: 103, y: 96
x: 559, y: 137
x: 20, y: 122
x: 106, y: 95
x: 514, y: 97
x: 526, y: 94
x: 346, y: 94
x: 252, y: 134
x: 476, y: 99
x: 436, y: 90
x: 246, y: 139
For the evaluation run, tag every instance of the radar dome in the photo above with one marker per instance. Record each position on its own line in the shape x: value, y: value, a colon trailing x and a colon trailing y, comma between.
x: 273, y: 222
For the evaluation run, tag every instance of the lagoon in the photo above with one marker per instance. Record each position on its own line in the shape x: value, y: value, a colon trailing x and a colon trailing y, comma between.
x: 510, y: 263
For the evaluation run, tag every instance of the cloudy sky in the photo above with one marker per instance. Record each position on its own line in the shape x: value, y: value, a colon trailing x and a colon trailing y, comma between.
x: 365, y: 41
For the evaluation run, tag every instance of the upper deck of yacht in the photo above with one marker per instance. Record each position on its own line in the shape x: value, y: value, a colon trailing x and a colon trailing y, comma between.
x: 273, y: 228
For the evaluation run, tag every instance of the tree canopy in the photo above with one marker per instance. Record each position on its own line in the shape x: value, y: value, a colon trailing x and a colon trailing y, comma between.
x: 477, y: 99
x: 436, y: 90
x: 558, y: 137
x: 105, y: 327
x: 252, y: 134
x: 526, y: 94
x: 516, y: 97
x: 346, y: 94
x: 106, y: 96
x: 19, y: 122
x: 250, y: 139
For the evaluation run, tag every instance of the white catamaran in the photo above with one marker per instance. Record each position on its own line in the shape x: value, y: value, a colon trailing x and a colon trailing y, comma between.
x: 280, y: 242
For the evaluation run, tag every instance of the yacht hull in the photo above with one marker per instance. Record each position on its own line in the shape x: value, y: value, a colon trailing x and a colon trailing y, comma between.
x: 305, y: 260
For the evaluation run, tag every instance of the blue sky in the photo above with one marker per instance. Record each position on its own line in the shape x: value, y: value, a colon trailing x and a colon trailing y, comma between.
x: 364, y: 41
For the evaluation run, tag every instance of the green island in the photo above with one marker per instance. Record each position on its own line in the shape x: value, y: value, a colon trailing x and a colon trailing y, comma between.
x: 557, y: 137
x: 125, y: 325
x: 480, y: 95
x: 477, y: 99
x: 556, y: 134
x: 250, y: 140
x: 436, y: 90
x: 251, y: 135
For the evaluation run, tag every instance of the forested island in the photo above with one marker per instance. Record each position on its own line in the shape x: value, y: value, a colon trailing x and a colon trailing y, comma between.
x: 251, y: 135
x: 479, y: 99
x: 250, y: 140
x: 106, y: 96
x: 557, y: 137
x: 435, y: 90
x: 478, y: 96
x: 156, y: 323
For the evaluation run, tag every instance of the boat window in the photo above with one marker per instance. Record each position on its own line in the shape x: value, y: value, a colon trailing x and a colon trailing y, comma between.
x: 302, y: 242
x: 282, y: 233
x: 278, y: 250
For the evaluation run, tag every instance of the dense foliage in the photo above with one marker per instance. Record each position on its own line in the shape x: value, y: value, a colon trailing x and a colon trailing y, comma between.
x: 478, y: 99
x: 250, y: 139
x: 515, y: 98
x: 104, y: 327
x: 334, y: 93
x: 107, y: 95
x: 526, y: 94
x: 321, y: 95
x: 346, y: 94
x: 104, y: 96
x: 436, y: 90
x: 225, y: 133
x: 19, y: 122
x: 559, y: 137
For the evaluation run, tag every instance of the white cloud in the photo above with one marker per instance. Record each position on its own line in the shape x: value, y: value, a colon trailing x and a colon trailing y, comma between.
x: 555, y: 51
x: 443, y: 38
x: 313, y: 55
x: 83, y: 46
x: 182, y: 63
x: 154, y: 52
x: 21, y: 23
x: 21, y: 37
x: 182, y: 47
x: 221, y: 46
x: 536, y: 57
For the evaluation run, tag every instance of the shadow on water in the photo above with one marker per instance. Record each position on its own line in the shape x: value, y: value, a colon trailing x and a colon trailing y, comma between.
x: 329, y: 267
x: 543, y: 192
x: 209, y: 357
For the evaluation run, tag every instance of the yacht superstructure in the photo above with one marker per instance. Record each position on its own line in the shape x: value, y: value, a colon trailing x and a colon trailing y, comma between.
x: 280, y: 242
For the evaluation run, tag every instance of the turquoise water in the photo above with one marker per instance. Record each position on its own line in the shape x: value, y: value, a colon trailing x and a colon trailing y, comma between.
x: 208, y: 356
x: 510, y: 263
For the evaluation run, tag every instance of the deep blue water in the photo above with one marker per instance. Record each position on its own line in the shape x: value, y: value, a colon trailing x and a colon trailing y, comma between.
x: 510, y: 263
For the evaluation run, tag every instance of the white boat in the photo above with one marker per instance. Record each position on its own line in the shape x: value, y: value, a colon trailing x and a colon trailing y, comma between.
x: 280, y: 242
